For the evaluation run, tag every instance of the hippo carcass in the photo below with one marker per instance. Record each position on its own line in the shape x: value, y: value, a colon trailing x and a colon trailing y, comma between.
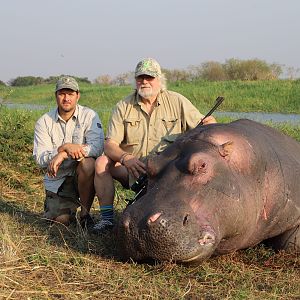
x: 216, y: 189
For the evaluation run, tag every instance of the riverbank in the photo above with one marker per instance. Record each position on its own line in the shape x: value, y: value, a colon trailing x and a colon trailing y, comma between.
x: 278, y: 96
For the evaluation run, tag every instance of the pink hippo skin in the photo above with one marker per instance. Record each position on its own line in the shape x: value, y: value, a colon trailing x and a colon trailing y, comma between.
x: 216, y: 189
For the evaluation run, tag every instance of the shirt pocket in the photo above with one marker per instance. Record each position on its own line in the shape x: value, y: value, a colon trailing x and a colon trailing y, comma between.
x: 78, y: 135
x: 133, y: 130
x: 167, y: 132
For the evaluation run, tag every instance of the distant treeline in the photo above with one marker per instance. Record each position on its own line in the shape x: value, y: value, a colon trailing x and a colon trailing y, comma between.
x: 232, y: 69
x: 31, y: 80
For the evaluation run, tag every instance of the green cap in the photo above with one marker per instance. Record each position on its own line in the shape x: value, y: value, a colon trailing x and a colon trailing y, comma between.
x: 148, y: 66
x: 67, y: 82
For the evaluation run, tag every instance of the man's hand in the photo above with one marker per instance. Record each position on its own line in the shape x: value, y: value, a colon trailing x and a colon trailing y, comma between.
x: 209, y: 120
x: 134, y: 166
x: 76, y: 151
x: 55, y: 162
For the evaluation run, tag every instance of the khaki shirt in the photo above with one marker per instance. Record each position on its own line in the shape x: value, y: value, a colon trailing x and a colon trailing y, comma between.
x: 140, y: 134
x: 51, y: 131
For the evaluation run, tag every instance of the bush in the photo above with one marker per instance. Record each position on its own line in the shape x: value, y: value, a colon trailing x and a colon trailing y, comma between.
x: 123, y: 79
x: 31, y: 80
x: 252, y: 69
x: 212, y: 71
x: 53, y: 79
x: 26, y: 81
x: 232, y: 69
x: 2, y: 83
x: 177, y: 75
x: 16, y: 138
x: 104, y: 80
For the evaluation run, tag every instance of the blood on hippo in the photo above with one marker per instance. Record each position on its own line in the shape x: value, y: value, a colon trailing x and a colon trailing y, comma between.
x: 218, y: 188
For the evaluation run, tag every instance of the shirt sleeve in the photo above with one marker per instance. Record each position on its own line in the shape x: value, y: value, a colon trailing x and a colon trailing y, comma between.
x: 43, y: 150
x: 116, y: 130
x: 94, y: 136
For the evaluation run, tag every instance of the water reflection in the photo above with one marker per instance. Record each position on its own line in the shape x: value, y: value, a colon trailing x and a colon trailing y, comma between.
x: 262, y: 117
x: 293, y: 119
x: 25, y: 106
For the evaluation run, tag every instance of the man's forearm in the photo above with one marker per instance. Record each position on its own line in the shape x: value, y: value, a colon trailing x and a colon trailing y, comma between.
x: 63, y: 148
x: 113, y: 151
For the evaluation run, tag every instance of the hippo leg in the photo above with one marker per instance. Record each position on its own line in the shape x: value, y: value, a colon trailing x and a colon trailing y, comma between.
x: 289, y: 240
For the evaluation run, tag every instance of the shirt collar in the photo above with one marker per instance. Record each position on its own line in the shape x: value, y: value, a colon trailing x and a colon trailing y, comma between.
x: 138, y: 99
x: 75, y: 115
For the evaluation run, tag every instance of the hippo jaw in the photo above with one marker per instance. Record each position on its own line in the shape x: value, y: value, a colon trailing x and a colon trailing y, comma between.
x: 164, y: 237
x: 207, y: 241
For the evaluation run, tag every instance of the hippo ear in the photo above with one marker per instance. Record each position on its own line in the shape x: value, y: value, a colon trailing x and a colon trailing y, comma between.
x: 226, y: 149
x: 196, y: 164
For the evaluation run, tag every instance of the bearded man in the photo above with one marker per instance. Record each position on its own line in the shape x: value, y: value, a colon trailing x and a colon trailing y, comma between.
x: 142, y: 124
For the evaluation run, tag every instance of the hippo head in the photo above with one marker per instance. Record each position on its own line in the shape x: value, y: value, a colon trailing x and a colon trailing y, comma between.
x: 177, y: 219
x: 159, y: 234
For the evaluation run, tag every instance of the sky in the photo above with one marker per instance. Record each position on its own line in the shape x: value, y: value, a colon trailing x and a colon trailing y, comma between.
x: 90, y: 38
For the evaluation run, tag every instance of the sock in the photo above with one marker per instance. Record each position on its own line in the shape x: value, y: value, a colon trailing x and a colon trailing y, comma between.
x: 107, y: 212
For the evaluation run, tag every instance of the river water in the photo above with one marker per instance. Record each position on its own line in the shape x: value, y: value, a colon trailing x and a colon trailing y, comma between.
x: 294, y: 119
x: 24, y: 106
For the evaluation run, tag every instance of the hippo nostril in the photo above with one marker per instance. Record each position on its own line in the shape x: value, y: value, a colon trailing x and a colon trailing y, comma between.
x: 154, y: 217
x: 163, y: 222
x: 186, y: 219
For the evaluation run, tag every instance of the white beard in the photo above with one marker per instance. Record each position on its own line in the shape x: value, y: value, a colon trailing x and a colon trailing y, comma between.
x: 147, y: 93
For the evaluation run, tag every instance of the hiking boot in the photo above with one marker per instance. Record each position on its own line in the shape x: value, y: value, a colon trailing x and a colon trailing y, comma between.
x: 102, y: 226
x: 87, y: 222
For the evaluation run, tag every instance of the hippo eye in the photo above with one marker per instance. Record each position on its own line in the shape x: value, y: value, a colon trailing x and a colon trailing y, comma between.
x: 186, y: 219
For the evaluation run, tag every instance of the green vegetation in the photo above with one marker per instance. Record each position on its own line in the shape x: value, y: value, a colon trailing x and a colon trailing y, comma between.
x: 43, y: 261
x: 247, y: 96
x: 250, y: 96
x: 232, y: 69
x: 31, y: 80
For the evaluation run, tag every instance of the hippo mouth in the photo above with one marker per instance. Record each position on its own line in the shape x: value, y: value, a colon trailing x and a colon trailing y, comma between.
x: 207, y: 241
x: 165, y: 238
x: 192, y: 259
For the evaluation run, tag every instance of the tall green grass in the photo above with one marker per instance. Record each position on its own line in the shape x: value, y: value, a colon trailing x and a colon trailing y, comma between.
x: 245, y: 96
x: 281, y: 96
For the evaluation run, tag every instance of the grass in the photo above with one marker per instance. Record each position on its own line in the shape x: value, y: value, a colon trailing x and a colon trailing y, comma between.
x: 43, y: 261
x: 250, y: 96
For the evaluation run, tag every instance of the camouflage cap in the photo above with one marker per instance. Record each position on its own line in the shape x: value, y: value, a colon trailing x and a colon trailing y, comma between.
x: 148, y: 66
x: 66, y: 82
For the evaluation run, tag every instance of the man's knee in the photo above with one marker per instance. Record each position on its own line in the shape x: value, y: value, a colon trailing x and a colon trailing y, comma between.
x: 107, y: 168
x: 102, y: 165
x: 86, y: 167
